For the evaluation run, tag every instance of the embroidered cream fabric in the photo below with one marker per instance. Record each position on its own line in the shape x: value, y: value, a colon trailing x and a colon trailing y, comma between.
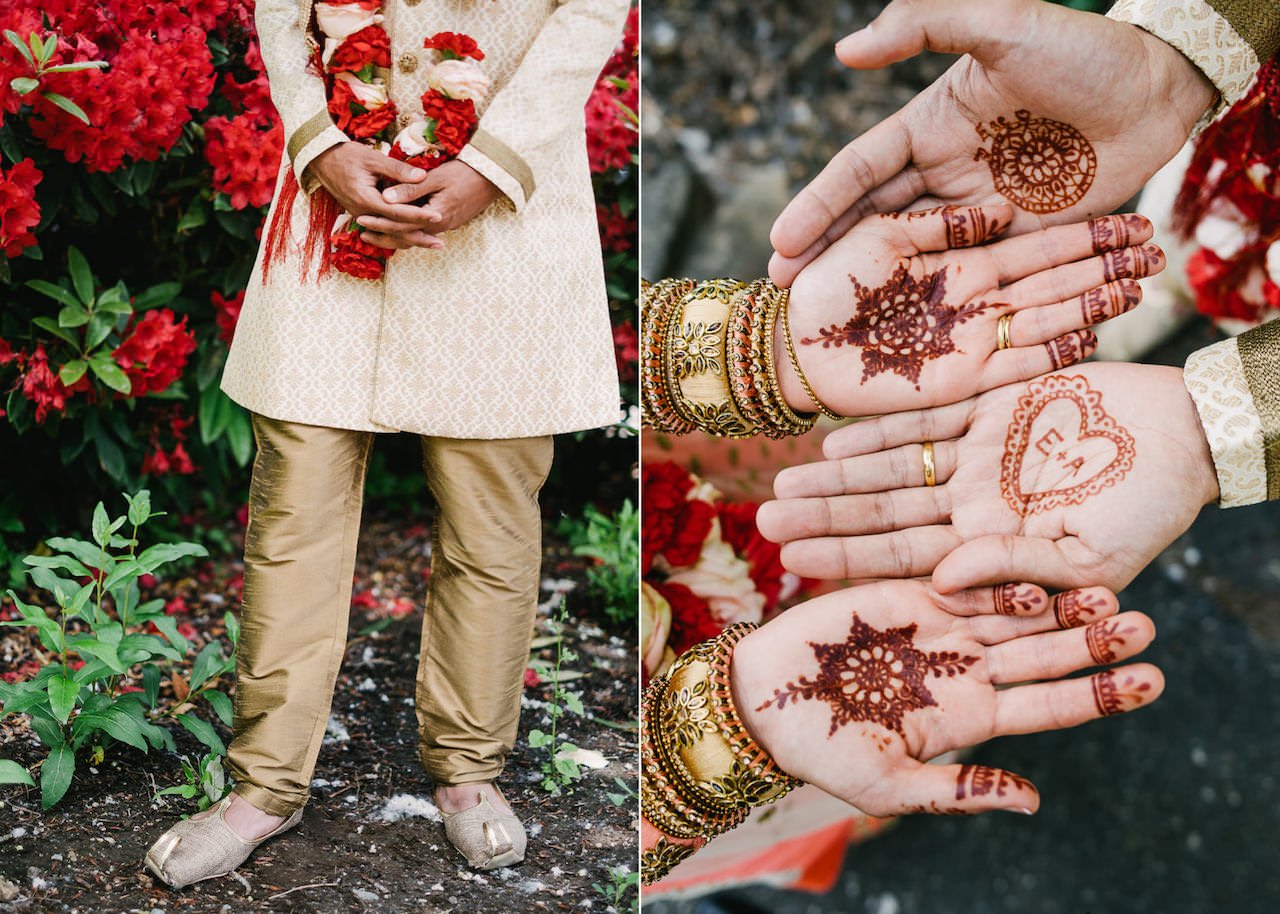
x: 1215, y: 378
x: 503, y: 334
x: 1205, y: 37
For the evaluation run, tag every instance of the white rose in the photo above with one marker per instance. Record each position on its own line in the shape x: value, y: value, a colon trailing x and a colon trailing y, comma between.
x: 1273, y: 262
x: 338, y: 20
x: 412, y: 139
x: 370, y: 95
x: 459, y: 79
x: 1223, y: 231
x: 724, y: 581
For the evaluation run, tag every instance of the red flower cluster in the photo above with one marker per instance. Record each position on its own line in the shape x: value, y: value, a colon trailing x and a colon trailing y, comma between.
x: 41, y: 385
x: 155, y: 352
x: 355, y: 256
x: 159, y: 462
x: 245, y: 155
x: 738, y: 529
x: 227, y: 313
x: 612, y: 139
x: 617, y: 232
x: 454, y: 46
x: 455, y: 119
x: 353, y: 118
x: 160, y: 69
x: 19, y: 211
x: 673, y: 526
x: 626, y: 349
x: 371, y: 46
x: 691, y: 618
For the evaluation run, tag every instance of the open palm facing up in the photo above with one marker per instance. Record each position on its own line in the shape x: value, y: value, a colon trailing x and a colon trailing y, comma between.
x: 1079, y: 477
x: 855, y: 690
x: 902, y: 312
x: 1063, y: 114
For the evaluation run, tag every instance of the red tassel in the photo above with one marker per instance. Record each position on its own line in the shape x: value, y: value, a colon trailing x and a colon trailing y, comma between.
x: 323, y: 212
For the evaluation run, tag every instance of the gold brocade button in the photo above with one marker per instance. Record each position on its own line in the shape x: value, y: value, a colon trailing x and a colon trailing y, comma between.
x: 412, y: 2
x: 403, y: 120
x: 407, y: 62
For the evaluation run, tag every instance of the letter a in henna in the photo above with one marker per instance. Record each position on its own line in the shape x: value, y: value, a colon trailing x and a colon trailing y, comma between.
x: 901, y: 325
x: 873, y: 675
x: 1037, y: 164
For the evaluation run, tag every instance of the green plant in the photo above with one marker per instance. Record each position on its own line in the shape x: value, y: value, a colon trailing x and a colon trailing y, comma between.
x: 614, y: 543
x: 623, y: 881
x: 206, y: 779
x: 560, y: 768
x: 38, y: 52
x: 87, y: 694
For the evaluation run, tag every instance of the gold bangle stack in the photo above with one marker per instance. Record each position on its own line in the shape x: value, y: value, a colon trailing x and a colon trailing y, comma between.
x: 702, y: 771
x: 707, y: 360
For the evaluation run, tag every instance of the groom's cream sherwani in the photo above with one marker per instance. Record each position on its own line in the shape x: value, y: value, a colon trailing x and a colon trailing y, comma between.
x: 503, y: 334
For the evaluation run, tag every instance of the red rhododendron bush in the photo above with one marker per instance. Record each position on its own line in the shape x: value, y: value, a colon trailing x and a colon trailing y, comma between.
x: 139, y: 150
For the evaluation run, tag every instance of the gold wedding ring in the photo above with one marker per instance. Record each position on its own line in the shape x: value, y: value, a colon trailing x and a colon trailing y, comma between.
x: 1002, y: 332
x: 926, y: 455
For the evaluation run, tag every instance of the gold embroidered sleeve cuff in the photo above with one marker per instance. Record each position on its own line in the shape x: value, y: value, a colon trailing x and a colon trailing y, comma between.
x: 308, y: 141
x: 1215, y: 378
x: 1207, y: 38
x: 501, y: 165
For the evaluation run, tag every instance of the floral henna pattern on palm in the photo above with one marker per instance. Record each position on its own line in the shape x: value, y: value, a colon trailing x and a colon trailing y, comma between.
x: 873, y: 675
x: 901, y: 325
x: 1038, y: 164
x: 1062, y: 447
x: 1075, y: 608
x: 1015, y: 599
x: 980, y: 781
x: 1112, y: 697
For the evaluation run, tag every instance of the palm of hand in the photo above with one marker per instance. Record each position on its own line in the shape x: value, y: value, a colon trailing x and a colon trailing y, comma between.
x: 885, y: 676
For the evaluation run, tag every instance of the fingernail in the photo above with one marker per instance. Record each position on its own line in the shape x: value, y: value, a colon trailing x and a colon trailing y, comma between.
x: 417, y: 174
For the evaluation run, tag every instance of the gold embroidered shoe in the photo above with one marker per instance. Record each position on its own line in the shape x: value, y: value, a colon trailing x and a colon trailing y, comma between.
x: 487, y: 837
x: 204, y: 846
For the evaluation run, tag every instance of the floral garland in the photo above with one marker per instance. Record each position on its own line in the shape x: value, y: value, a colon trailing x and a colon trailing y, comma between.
x: 356, y: 48
x: 1230, y: 204
x: 705, y: 565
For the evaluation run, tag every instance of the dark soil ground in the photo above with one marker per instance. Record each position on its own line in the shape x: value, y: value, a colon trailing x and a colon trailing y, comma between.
x: 85, y: 855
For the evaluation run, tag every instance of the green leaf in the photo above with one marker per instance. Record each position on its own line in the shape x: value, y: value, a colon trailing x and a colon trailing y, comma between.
x: 43, y: 49
x: 115, y: 721
x: 203, y: 731
x: 86, y: 552
x: 538, y: 739
x: 125, y: 571
x: 64, y: 562
x: 208, y: 663
x: 24, y: 85
x: 186, y: 791
x: 139, y: 507
x: 77, y: 65
x: 110, y: 374
x: 13, y: 773
x: 73, y: 316
x: 573, y: 702
x: 151, y: 683
x: 92, y: 647
x: 168, y: 626
x: 233, y: 628
x: 240, y: 435
x: 48, y: 323
x: 100, y: 327
x: 55, y: 775
x: 16, y: 40
x: 62, y: 696
x: 67, y: 105
x: 73, y: 371
x: 57, y: 293
x: 195, y: 216
x: 162, y: 553
x: 221, y: 705
x: 81, y: 275
x: 160, y: 294
x: 101, y: 525
x: 214, y: 413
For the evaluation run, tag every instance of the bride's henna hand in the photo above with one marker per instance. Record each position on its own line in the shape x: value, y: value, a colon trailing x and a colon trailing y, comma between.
x: 903, y: 311
x: 885, y: 676
x: 1018, y: 119
x: 1079, y: 477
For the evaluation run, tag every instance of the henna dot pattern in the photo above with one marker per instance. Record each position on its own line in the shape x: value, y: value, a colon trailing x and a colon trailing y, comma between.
x: 1038, y: 164
x: 901, y: 325
x: 1062, y: 447
x: 873, y: 675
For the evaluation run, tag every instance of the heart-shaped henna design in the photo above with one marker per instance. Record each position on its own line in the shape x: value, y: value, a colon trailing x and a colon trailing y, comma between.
x: 1062, y: 447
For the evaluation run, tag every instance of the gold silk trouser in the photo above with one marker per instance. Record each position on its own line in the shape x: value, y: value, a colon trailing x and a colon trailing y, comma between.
x: 300, y: 551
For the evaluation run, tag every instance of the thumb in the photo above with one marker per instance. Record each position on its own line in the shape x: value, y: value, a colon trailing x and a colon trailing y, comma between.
x: 907, y: 27
x: 956, y: 790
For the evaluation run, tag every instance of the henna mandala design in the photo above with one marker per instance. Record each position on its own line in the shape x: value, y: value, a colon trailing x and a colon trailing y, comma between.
x: 900, y: 325
x: 696, y: 349
x: 1111, y: 698
x: 1041, y: 165
x: 873, y: 675
x: 1012, y: 599
x: 979, y: 780
x: 1073, y: 608
x: 1104, y: 639
x: 1062, y: 447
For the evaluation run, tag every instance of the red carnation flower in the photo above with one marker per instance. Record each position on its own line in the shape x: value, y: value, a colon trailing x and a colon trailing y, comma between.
x: 371, y: 123
x: 356, y: 257
x: 370, y: 46
x: 453, y: 46
x: 455, y: 119
x: 672, y: 526
x: 155, y: 352
x: 692, y: 621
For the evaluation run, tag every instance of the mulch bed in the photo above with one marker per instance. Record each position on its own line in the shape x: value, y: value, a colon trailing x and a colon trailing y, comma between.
x: 350, y: 853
